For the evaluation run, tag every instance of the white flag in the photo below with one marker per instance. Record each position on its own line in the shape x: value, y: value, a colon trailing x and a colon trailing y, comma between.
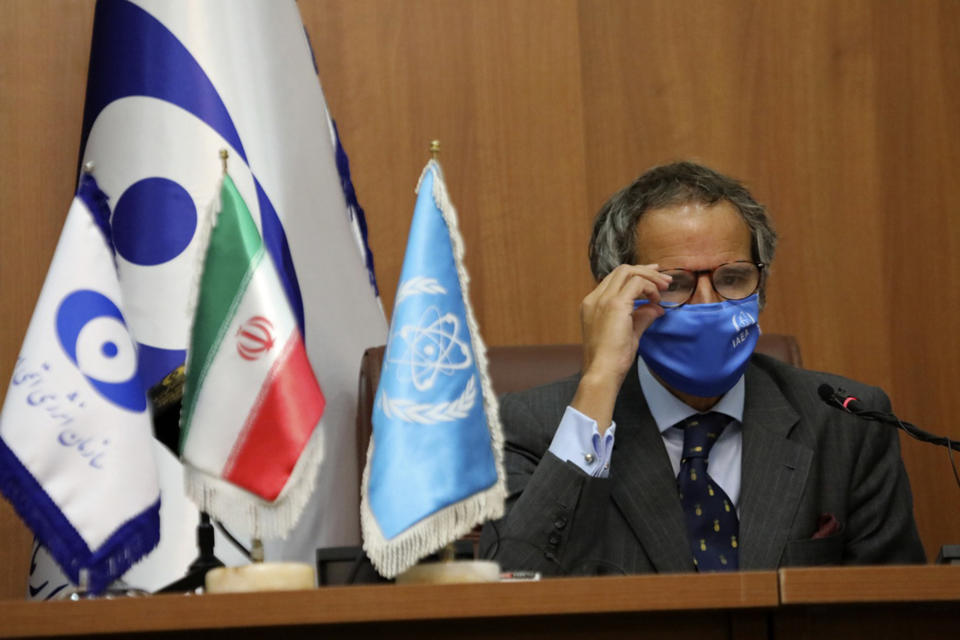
x: 171, y: 83
x: 75, y: 434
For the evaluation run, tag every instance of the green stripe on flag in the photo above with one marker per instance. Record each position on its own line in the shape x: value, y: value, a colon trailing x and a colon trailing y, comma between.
x: 233, y: 254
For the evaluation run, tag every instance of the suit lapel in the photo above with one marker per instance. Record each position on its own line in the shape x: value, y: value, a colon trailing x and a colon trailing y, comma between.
x: 773, y: 473
x: 644, y: 487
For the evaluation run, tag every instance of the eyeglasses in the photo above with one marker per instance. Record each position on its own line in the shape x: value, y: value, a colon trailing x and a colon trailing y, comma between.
x: 731, y: 280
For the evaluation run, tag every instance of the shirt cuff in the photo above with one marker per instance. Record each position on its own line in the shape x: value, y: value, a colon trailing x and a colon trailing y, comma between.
x: 578, y: 440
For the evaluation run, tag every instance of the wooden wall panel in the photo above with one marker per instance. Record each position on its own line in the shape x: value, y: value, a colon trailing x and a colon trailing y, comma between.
x: 918, y: 102
x: 498, y: 84
x: 44, y: 46
x: 842, y: 117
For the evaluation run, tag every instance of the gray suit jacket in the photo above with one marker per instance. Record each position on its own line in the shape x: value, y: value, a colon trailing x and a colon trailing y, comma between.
x: 802, y: 462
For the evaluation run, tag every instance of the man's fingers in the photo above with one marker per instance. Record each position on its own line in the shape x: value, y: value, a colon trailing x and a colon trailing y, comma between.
x: 612, y: 324
x: 630, y: 280
x: 611, y: 283
x: 637, y: 286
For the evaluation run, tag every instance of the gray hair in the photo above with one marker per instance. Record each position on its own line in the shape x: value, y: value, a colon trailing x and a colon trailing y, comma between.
x: 613, y: 241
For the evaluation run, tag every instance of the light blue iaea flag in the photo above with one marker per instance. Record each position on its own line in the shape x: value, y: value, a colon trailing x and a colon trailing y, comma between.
x: 170, y: 83
x: 75, y: 435
x: 434, y: 467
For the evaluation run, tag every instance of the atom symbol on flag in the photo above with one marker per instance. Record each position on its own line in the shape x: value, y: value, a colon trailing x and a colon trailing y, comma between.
x: 432, y: 348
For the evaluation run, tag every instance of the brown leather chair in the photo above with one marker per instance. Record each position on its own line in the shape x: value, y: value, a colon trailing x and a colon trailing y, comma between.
x: 514, y: 368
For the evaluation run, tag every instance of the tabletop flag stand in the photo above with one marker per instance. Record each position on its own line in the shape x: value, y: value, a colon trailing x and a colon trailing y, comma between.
x: 251, y: 403
x: 434, y: 466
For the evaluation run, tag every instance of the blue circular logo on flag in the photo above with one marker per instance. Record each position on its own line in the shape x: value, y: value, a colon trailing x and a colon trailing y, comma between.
x: 94, y: 336
x: 154, y: 221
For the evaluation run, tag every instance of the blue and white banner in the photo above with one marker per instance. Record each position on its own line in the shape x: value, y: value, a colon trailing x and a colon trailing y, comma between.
x: 75, y: 432
x: 434, y: 467
x: 171, y: 82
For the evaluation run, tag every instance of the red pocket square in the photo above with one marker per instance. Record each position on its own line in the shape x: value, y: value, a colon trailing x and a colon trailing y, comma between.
x: 827, y: 525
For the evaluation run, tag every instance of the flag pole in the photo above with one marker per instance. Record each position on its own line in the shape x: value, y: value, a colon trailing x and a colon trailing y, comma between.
x: 259, y: 575
x: 169, y: 392
x: 256, y: 543
x: 444, y: 566
x: 449, y: 552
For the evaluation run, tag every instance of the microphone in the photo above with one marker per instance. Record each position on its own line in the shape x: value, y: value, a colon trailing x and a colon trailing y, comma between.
x: 840, y: 399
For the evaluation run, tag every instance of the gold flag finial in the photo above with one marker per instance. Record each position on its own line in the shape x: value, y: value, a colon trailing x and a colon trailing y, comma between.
x: 223, y: 158
x: 434, y: 149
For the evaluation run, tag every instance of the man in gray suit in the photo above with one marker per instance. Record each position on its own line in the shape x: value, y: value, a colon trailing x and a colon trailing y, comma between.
x: 698, y: 454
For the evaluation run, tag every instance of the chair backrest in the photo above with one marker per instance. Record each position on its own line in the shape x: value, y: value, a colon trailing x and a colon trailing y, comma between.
x: 514, y: 368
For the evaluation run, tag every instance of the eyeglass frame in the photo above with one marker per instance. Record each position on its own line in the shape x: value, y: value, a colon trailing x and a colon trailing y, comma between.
x: 697, y: 273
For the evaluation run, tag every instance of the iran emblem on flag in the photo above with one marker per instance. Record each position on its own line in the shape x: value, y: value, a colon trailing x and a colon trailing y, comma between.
x: 251, y: 401
x: 255, y: 338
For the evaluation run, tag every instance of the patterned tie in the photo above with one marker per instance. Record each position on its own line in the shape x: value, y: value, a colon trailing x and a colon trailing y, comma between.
x: 711, y: 518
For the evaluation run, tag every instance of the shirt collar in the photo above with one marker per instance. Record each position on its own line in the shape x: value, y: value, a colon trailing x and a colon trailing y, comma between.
x: 667, y: 409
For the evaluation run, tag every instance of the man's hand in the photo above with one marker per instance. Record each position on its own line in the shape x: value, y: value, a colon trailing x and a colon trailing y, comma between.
x: 611, y: 333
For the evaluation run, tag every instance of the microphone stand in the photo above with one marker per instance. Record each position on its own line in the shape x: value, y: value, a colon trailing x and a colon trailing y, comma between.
x: 837, y: 398
x: 166, y: 397
x: 197, y: 571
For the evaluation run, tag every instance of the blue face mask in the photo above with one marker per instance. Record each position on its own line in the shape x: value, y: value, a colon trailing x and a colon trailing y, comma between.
x: 702, y: 349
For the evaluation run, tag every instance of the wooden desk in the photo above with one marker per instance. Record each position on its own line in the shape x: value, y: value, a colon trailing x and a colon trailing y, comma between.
x: 794, y: 604
x: 674, y: 606
x: 868, y: 602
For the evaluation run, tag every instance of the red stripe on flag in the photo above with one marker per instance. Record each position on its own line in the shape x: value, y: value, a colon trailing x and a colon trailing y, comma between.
x: 279, y: 426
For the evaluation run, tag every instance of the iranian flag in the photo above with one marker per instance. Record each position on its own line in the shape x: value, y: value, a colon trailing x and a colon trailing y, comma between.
x: 251, y: 402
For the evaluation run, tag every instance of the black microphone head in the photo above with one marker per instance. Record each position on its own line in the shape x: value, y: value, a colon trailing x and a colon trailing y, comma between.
x: 839, y: 398
x: 827, y: 393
